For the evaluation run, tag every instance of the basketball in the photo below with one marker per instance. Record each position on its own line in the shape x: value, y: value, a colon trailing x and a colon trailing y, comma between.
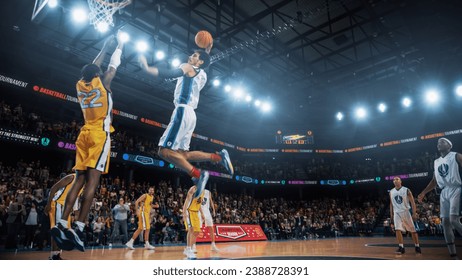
x: 203, y: 39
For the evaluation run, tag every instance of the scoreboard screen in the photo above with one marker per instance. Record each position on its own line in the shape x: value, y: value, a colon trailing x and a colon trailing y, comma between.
x: 296, y: 138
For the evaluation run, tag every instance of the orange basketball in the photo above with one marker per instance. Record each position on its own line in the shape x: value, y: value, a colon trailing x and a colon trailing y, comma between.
x: 203, y: 39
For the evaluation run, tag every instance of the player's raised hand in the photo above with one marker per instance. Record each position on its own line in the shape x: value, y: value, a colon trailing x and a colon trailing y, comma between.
x: 143, y: 61
x: 209, y: 47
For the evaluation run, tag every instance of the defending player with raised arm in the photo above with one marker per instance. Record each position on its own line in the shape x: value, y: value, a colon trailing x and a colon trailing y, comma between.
x: 94, y: 142
x: 174, y: 143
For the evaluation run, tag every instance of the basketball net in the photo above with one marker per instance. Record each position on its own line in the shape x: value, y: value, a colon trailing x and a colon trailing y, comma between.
x: 101, y: 11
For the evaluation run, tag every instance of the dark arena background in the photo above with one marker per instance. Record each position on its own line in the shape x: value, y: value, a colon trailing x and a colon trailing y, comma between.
x: 320, y: 104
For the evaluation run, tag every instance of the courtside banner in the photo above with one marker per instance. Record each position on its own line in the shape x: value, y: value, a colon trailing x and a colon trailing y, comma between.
x: 238, y: 232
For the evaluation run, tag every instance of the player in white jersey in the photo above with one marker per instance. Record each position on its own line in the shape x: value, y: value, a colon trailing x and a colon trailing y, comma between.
x: 207, y: 218
x: 447, y: 177
x: 174, y: 143
x: 401, y: 202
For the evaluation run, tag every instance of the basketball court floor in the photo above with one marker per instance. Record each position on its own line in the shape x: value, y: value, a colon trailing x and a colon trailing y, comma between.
x: 354, y: 248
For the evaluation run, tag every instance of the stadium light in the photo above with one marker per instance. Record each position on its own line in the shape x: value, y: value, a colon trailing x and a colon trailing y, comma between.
x: 52, y: 3
x: 176, y: 62
x: 141, y: 46
x: 79, y: 15
x: 459, y: 90
x: 361, y: 113
x: 216, y: 82
x: 265, y: 107
x: 432, y: 96
x: 102, y: 27
x: 160, y: 55
x: 382, y: 107
x: 339, y: 116
x: 407, y: 102
x: 228, y: 88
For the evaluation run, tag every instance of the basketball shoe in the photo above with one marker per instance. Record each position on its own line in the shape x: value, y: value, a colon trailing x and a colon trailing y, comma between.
x: 226, y: 161
x: 200, y: 183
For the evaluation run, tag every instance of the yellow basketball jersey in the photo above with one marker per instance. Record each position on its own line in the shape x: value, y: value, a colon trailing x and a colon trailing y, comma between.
x: 146, y: 207
x: 196, y: 203
x: 96, y: 104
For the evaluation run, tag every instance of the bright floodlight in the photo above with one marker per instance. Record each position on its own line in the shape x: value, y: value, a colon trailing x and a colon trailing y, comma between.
x: 216, y: 82
x: 459, y: 90
x: 382, y: 107
x: 176, y: 62
x: 79, y: 15
x: 141, y: 46
x: 265, y: 107
x: 228, y: 88
x: 339, y: 116
x: 248, y: 98
x: 124, y: 37
x: 238, y: 93
x: 361, y: 113
x: 52, y: 3
x: 407, y: 102
x: 102, y: 27
x: 257, y: 103
x: 160, y: 55
x: 432, y: 96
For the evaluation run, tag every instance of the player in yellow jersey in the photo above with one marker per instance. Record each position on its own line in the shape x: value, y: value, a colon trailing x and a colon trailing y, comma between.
x: 54, y: 209
x: 93, y: 143
x: 191, y: 209
x: 143, y: 207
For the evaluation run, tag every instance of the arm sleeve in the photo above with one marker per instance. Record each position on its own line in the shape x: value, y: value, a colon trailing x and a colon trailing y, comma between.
x: 115, y: 58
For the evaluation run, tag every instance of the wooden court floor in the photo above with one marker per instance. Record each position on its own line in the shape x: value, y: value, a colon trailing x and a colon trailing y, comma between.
x: 361, y: 248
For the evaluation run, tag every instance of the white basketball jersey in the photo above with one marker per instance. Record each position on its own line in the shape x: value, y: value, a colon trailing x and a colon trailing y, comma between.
x: 206, y: 202
x: 400, y: 200
x: 447, y: 171
x: 188, y: 89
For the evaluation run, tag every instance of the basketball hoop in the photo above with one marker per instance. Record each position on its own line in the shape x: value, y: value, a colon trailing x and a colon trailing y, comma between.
x: 101, y: 11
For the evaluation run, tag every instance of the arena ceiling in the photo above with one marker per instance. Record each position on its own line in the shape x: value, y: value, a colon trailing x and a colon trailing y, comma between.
x: 310, y: 59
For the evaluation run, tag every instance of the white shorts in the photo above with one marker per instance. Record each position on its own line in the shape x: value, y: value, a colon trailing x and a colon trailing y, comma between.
x: 208, y: 219
x: 403, y: 221
x: 178, y: 134
x: 450, y: 202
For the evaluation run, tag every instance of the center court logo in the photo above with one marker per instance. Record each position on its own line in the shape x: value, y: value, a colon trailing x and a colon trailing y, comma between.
x: 443, y: 170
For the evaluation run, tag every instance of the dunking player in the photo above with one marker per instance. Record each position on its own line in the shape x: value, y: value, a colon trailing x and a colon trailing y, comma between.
x: 191, y: 209
x: 207, y: 218
x: 54, y: 209
x: 94, y: 142
x: 446, y: 175
x: 401, y: 201
x: 174, y: 143
x: 143, y: 207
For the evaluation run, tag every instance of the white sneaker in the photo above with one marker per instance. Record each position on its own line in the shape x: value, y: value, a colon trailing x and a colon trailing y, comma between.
x: 186, y: 251
x: 191, y: 255
x: 193, y: 249
x: 129, y: 244
x: 214, y: 248
x: 149, y: 246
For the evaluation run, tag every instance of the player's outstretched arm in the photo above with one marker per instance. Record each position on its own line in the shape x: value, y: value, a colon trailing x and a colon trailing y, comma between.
x: 164, y: 72
x: 429, y: 187
x: 102, y: 54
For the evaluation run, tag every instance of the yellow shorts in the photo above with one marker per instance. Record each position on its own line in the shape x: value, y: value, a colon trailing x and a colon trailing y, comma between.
x: 192, y: 220
x: 93, y: 150
x: 56, y: 211
x: 144, y: 221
